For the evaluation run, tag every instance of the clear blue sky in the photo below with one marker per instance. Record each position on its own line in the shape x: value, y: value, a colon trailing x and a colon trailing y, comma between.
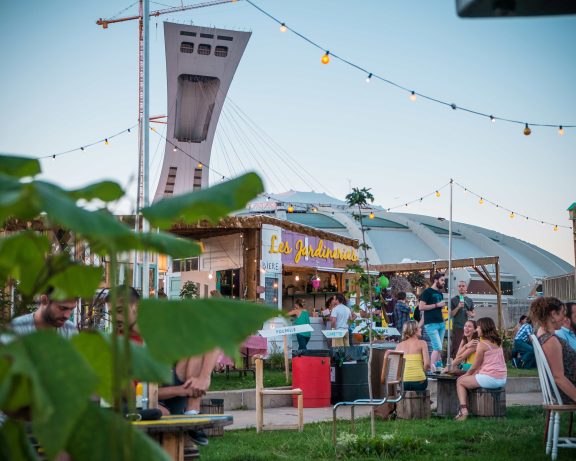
x: 66, y: 82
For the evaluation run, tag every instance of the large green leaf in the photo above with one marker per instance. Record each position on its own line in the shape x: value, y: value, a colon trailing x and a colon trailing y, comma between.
x: 17, y: 200
x: 107, y: 191
x: 104, y: 435
x: 14, y: 443
x: 176, y: 329
x: 212, y: 203
x: 60, y: 385
x: 76, y: 281
x: 162, y: 243
x: 19, y: 167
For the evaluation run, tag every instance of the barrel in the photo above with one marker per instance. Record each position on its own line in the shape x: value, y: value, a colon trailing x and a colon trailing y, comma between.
x: 312, y: 375
x: 349, y: 382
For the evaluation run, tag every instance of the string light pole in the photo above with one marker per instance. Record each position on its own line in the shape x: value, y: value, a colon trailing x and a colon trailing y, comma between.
x: 448, y: 358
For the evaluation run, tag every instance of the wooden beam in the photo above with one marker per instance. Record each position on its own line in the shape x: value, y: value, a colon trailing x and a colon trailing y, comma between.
x: 250, y: 262
x: 434, y: 265
x: 499, y: 298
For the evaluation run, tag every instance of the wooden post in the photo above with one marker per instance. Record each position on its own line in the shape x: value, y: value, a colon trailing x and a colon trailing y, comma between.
x: 250, y: 262
x: 499, y: 297
x: 152, y: 395
x: 286, y: 363
x: 259, y: 402
x: 572, y: 211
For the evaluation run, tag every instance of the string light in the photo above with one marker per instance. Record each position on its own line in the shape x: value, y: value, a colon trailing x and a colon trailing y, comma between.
x: 290, y: 209
x: 561, y: 130
x: 369, y: 78
x: 326, y: 58
x: 492, y: 119
x: 437, y: 193
x: 412, y: 96
x: 210, y: 275
x: 106, y: 141
x: 54, y: 157
x: 199, y: 166
x: 297, y: 278
x: 512, y: 215
x: 371, y: 215
x: 314, y: 209
x: 175, y: 149
x: 481, y: 201
x: 527, y: 130
x: 283, y: 27
x: 555, y: 228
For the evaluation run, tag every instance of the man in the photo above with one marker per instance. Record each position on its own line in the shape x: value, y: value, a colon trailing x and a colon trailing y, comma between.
x: 523, y: 351
x: 568, y: 330
x: 431, y: 304
x: 462, y: 308
x: 401, y: 311
x: 50, y: 314
x: 339, y: 318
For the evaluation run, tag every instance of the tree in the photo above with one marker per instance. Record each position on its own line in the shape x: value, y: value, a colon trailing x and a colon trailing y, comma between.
x: 189, y: 291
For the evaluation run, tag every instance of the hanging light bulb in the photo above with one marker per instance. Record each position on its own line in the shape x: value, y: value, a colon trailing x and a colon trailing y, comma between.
x: 371, y: 215
x: 368, y: 78
x: 290, y: 209
x: 314, y: 209
x: 283, y: 27
x: 326, y: 58
x: 481, y: 201
x: 297, y: 278
x: 175, y: 149
x: 437, y: 193
x: 412, y: 96
x: 106, y: 141
x: 82, y: 149
x: 512, y: 215
x: 199, y: 166
x: 210, y: 275
x: 128, y: 130
x: 54, y: 157
x: 275, y: 284
x: 561, y: 130
x: 527, y: 130
x: 153, y: 129
x: 492, y: 119
x: 555, y: 228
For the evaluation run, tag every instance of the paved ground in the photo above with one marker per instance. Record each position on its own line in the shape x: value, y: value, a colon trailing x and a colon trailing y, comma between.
x: 286, y: 415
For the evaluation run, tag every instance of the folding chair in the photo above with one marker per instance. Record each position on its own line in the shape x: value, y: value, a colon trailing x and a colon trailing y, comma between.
x: 391, y: 378
x: 552, y: 404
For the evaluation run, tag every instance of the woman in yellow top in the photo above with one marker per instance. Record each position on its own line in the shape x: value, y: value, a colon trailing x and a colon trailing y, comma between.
x: 416, y: 355
x: 467, y: 349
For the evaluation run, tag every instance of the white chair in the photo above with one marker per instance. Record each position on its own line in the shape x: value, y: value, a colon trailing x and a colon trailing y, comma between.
x: 552, y: 403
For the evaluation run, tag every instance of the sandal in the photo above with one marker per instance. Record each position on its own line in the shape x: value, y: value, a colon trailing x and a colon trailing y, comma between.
x: 461, y: 416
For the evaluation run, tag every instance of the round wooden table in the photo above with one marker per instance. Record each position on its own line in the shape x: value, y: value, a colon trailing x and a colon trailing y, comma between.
x: 447, y: 399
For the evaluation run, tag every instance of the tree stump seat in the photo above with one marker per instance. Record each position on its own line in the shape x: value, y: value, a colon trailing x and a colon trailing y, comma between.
x: 414, y: 405
x: 487, y: 402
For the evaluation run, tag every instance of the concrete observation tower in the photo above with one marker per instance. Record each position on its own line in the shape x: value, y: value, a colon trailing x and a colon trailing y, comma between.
x: 200, y: 65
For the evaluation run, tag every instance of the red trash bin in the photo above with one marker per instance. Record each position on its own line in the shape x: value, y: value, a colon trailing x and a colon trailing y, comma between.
x: 312, y: 375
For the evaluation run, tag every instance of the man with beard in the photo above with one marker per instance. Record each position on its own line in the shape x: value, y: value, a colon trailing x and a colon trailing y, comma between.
x: 50, y: 314
x: 431, y: 304
x: 568, y: 330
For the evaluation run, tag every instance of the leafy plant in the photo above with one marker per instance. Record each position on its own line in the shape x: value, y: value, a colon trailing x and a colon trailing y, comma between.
x: 351, y: 446
x: 189, y: 291
x: 51, y: 379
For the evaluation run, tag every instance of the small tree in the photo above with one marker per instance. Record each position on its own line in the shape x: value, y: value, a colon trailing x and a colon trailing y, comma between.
x: 189, y: 291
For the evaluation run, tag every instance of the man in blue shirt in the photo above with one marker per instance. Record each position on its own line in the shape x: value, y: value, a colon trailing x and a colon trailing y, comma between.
x: 523, y: 347
x: 568, y: 330
x: 431, y: 304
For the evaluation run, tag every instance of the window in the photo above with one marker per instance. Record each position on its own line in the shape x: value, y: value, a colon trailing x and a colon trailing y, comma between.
x: 185, y: 265
x: 204, y: 49
x: 225, y: 37
x: 221, y: 51
x: 187, y: 47
x: 189, y: 34
x: 507, y: 288
x: 206, y: 35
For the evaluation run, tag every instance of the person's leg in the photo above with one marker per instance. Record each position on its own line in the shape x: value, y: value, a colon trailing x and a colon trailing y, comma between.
x: 195, y: 372
x: 301, y: 342
x: 432, y: 332
x: 462, y: 385
x: 306, y: 340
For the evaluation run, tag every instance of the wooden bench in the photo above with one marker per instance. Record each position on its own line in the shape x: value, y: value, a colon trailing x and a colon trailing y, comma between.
x: 487, y: 402
x: 414, y: 405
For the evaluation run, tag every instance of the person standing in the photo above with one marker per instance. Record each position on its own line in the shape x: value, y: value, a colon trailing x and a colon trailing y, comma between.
x: 431, y: 304
x: 401, y: 311
x: 462, y: 308
x: 302, y: 318
x: 567, y: 331
x: 339, y: 318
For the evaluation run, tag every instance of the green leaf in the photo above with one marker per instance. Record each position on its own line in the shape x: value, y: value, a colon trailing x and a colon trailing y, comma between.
x: 107, y: 191
x: 19, y: 167
x: 176, y: 329
x: 212, y: 203
x: 76, y: 281
x: 17, y: 200
x: 104, y: 435
x: 60, y: 385
x: 162, y: 243
x: 14, y: 442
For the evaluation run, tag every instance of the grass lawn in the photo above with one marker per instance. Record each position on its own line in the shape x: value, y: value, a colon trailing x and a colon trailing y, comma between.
x: 517, y: 437
x: 520, y: 372
x: 272, y: 378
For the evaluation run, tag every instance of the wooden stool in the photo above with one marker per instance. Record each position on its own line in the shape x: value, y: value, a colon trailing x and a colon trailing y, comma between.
x: 487, y: 402
x: 414, y: 405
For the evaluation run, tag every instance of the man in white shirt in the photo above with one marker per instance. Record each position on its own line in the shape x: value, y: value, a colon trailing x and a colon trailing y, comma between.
x: 339, y: 318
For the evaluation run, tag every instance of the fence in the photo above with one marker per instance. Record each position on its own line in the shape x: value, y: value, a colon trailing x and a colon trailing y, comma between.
x: 561, y: 287
x: 515, y: 308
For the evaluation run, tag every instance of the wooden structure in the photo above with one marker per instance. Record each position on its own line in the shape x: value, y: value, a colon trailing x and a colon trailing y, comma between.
x: 478, y: 264
x: 562, y: 287
x: 414, y: 405
x: 447, y: 399
x: 261, y: 392
x: 487, y: 402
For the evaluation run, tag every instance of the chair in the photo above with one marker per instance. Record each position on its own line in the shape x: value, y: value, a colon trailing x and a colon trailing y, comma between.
x: 552, y: 404
x: 391, y: 378
x: 261, y: 392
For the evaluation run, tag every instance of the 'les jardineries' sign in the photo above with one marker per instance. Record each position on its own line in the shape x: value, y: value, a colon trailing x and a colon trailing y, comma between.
x: 302, y: 250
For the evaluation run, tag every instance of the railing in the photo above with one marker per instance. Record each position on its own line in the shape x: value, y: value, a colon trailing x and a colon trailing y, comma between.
x: 561, y: 287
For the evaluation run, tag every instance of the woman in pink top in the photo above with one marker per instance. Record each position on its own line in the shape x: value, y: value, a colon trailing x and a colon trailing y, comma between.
x: 489, y: 368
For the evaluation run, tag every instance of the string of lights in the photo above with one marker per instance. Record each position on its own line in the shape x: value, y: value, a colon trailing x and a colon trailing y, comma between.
x: 82, y: 148
x: 413, y: 94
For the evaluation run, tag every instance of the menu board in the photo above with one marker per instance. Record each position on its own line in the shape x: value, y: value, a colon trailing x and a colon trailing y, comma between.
x: 271, y: 291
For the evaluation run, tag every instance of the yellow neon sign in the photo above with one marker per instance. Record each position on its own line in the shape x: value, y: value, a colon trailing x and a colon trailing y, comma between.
x: 321, y: 252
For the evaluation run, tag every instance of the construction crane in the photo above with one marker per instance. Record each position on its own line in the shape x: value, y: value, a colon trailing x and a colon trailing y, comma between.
x: 105, y: 23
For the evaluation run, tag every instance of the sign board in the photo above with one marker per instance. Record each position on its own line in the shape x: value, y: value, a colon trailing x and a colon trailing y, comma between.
x: 334, y: 333
x: 271, y: 291
x: 284, y: 331
x: 389, y: 331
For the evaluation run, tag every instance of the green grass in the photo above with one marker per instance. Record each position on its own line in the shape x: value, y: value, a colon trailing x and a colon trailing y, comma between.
x: 520, y: 372
x: 272, y: 378
x: 519, y: 436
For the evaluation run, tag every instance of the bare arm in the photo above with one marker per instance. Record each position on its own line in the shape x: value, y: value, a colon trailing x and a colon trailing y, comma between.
x: 553, y: 351
x: 333, y: 322
x: 480, y: 350
x: 425, y: 355
x: 168, y: 392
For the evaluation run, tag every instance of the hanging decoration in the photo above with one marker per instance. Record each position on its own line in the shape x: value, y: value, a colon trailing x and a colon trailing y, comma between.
x: 384, y: 282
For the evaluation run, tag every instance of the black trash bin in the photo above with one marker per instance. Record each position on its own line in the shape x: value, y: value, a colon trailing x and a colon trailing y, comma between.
x: 349, y: 374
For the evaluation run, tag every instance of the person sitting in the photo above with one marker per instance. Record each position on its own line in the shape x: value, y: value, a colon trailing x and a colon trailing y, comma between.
x: 467, y: 349
x: 523, y: 351
x: 416, y: 355
x: 521, y: 321
x: 489, y: 368
x: 549, y: 312
x: 302, y: 318
x: 568, y: 329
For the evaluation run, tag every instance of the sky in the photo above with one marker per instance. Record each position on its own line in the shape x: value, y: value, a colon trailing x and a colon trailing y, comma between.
x: 65, y: 82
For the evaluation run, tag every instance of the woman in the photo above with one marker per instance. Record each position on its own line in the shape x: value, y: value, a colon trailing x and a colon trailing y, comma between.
x: 416, y: 355
x: 489, y: 368
x: 549, y: 313
x: 302, y: 318
x: 467, y: 349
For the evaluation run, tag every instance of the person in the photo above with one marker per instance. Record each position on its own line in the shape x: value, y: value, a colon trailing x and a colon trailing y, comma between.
x: 50, y: 314
x: 489, y: 368
x: 462, y: 308
x: 467, y: 348
x: 416, y: 356
x: 523, y: 351
x: 431, y: 304
x: 302, y: 318
x: 339, y: 317
x: 401, y: 311
x: 521, y: 322
x: 550, y: 312
x: 568, y: 329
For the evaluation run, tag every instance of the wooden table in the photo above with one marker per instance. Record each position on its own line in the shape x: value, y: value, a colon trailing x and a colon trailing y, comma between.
x: 447, y: 399
x: 170, y: 431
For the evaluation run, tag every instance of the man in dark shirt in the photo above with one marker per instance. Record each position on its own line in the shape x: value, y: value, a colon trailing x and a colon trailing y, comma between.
x: 431, y: 304
x: 462, y: 308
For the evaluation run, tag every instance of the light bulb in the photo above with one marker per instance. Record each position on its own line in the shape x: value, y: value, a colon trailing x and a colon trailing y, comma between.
x: 199, y: 166
x: 283, y: 27
x: 54, y: 157
x: 512, y: 215
x: 527, y: 130
x: 174, y: 148
x: 437, y: 193
x: 314, y: 209
x: 371, y: 215
x: 82, y: 149
x: 492, y: 119
x: 561, y: 130
x: 368, y: 78
x: 290, y: 209
x: 297, y: 278
x: 106, y: 141
x: 326, y: 58
x: 210, y: 275
x: 412, y: 96
x: 555, y: 228
x: 481, y: 201
x: 275, y: 285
